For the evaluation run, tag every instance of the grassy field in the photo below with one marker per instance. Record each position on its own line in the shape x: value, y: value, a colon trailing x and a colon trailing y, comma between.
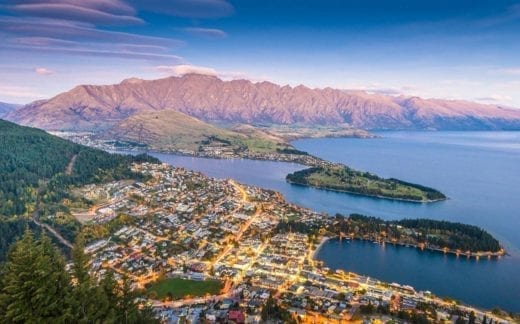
x: 341, y: 178
x: 180, y: 288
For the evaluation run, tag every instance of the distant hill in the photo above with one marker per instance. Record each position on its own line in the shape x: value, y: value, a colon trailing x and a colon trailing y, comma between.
x: 7, y: 107
x: 170, y: 130
x: 210, y: 99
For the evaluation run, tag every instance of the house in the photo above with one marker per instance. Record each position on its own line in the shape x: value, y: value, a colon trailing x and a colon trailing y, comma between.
x: 236, y: 316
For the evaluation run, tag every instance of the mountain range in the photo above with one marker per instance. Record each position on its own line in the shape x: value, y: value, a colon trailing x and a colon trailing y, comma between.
x: 208, y: 98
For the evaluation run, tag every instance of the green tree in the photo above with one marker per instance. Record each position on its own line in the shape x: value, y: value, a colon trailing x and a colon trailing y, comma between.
x: 472, y: 317
x: 89, y: 302
x: 35, y: 288
x: 460, y: 320
x: 34, y: 285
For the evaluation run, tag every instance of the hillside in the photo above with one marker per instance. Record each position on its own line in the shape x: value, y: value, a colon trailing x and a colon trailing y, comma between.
x: 210, y: 99
x: 170, y: 130
x: 38, y: 168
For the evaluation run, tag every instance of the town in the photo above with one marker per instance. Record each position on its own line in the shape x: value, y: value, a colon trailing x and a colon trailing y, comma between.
x: 207, y: 250
x: 212, y: 149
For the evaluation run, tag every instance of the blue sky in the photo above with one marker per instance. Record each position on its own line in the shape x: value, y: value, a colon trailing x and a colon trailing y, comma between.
x: 447, y: 49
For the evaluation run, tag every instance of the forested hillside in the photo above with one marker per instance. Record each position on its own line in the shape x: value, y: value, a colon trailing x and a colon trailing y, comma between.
x: 34, y: 163
x: 35, y: 287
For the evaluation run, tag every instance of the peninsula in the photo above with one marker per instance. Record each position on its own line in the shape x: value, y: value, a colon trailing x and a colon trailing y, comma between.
x: 426, y: 234
x: 338, y: 177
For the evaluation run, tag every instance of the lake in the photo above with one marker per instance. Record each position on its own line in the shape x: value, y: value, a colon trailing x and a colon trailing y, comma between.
x: 478, y: 171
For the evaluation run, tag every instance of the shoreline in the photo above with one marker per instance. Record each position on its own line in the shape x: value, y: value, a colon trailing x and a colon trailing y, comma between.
x: 367, y: 195
x: 476, y: 255
x: 201, y: 156
x: 324, y: 240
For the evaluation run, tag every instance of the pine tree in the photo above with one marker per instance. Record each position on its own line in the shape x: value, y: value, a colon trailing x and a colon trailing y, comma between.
x: 18, y: 285
x: 90, y: 304
x: 52, y: 298
x: 127, y: 311
x: 35, y: 286
x: 472, y: 318
x: 108, y: 287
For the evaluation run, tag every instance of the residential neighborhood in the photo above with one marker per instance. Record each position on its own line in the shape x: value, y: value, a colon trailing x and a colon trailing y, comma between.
x: 180, y: 227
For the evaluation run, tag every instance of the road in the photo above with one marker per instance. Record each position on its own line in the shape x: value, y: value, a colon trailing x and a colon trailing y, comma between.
x: 53, y: 232
x: 70, y: 166
x: 36, y: 216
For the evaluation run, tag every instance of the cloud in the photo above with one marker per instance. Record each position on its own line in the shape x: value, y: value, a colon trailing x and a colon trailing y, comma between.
x: 112, y: 6
x: 142, y: 48
x: 495, y: 98
x: 58, y: 29
x: 42, y: 41
x: 43, y: 71
x: 182, y: 69
x: 376, y: 88
x: 96, y: 52
x: 386, y: 91
x: 44, y: 35
x: 206, y: 32
x: 187, y: 8
x: 75, y: 13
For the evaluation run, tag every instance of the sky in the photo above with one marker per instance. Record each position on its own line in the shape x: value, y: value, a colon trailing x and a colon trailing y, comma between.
x: 456, y: 49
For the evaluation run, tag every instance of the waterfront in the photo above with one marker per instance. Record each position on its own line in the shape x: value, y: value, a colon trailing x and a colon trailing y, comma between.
x: 476, y: 170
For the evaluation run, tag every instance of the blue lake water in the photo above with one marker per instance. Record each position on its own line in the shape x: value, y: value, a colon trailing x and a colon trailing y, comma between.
x: 478, y: 171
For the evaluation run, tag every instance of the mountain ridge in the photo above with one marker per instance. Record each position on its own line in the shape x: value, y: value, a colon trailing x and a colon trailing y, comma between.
x: 89, y: 107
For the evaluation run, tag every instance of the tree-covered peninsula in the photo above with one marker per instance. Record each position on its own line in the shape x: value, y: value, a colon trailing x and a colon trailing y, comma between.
x: 424, y: 233
x: 342, y: 178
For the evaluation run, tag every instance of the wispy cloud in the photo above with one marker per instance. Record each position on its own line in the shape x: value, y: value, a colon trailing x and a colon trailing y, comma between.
x: 96, y: 52
x: 74, y: 12
x: 77, y: 38
x: 206, y: 32
x: 496, y: 98
x: 376, y: 88
x: 187, y: 8
x: 65, y: 30
x: 43, y: 71
x: 182, y: 69
x: 112, y: 6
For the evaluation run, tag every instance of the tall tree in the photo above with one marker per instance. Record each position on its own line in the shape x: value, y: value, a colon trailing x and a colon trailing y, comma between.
x: 89, y: 302
x: 35, y: 286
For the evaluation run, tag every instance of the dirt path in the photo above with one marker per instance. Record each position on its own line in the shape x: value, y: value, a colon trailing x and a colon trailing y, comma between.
x: 53, y: 232
x: 68, y: 170
x: 36, y: 216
